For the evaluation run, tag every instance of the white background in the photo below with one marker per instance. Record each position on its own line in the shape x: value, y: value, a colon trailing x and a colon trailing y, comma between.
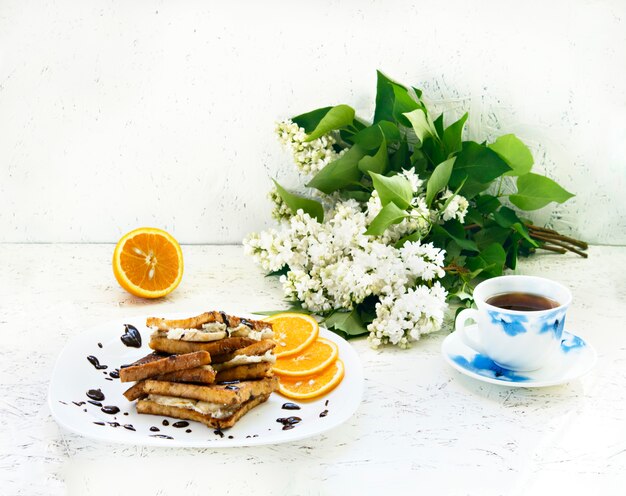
x: 119, y: 114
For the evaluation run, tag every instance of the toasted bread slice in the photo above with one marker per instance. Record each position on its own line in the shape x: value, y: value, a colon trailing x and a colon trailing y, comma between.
x: 206, y: 318
x: 150, y: 407
x: 221, y: 347
x: 203, y: 375
x: 135, y: 392
x: 230, y: 394
x: 245, y: 372
x: 157, y: 364
x: 254, y: 349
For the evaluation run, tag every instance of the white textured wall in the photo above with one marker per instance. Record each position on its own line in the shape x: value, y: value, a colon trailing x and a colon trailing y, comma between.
x: 115, y: 114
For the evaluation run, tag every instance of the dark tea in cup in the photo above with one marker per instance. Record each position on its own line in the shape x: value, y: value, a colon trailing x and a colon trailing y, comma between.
x: 522, y: 302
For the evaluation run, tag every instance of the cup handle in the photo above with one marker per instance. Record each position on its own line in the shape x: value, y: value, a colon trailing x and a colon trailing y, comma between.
x: 459, y: 325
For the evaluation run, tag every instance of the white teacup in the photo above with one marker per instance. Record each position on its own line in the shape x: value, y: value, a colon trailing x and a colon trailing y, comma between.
x: 513, y: 339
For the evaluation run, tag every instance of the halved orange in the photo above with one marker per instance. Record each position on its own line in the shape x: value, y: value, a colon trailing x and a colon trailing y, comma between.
x: 148, y: 262
x: 313, y: 359
x: 293, y: 332
x: 312, y: 386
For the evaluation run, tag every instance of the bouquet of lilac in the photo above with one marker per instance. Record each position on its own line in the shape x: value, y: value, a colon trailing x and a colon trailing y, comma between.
x: 401, y: 216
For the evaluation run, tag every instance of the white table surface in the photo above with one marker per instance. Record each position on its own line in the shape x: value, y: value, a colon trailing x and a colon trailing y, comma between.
x: 422, y: 427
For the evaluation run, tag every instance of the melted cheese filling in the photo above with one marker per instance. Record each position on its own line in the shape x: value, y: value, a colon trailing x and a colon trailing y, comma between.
x: 214, y: 331
x: 245, y: 360
x: 215, y: 410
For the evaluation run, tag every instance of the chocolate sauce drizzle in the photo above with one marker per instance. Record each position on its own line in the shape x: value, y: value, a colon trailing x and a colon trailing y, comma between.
x: 95, y: 394
x: 95, y: 403
x: 110, y: 409
x: 131, y: 336
x: 162, y: 436
x: 225, y: 319
x: 96, y: 363
x: 324, y: 413
x: 289, y: 422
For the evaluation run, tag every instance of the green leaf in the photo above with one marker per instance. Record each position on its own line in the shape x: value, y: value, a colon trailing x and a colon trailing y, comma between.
x: 336, y: 118
x: 360, y: 196
x: 515, y: 153
x: 487, y: 204
x: 506, y: 217
x: 390, y: 214
x: 396, y: 189
x: 490, y: 235
x: 371, y: 137
x: 310, y: 120
x: 400, y: 159
x: 453, y: 229
x: 491, y: 260
x: 478, y: 163
x: 439, y: 179
x: 347, y: 322
x: 416, y: 236
x: 384, y: 98
x: 340, y: 173
x: 420, y: 123
x: 295, y: 202
x: 535, y: 191
x: 452, y: 136
x: 438, y: 123
x: 523, y: 231
x: 379, y: 163
x: 403, y: 103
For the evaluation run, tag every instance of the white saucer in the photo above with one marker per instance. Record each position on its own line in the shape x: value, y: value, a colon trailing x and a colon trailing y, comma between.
x: 575, y: 358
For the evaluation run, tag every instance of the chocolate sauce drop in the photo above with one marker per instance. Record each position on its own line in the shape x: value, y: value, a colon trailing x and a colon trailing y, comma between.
x: 108, y: 379
x: 130, y: 427
x: 96, y: 363
x: 162, y: 436
x: 188, y: 430
x: 131, y: 336
x: 231, y: 437
x: 115, y: 374
x: 324, y: 413
x: 154, y: 429
x: 96, y: 403
x: 114, y: 424
x: 95, y: 394
x: 218, y: 432
x: 290, y: 406
x: 165, y: 422
x: 289, y: 422
x: 78, y: 403
x: 225, y: 319
x: 180, y: 423
x: 110, y: 409
x: 99, y: 345
x: 247, y: 323
x: 326, y: 403
x: 99, y: 423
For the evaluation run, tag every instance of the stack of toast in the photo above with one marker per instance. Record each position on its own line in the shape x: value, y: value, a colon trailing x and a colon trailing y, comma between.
x: 212, y: 368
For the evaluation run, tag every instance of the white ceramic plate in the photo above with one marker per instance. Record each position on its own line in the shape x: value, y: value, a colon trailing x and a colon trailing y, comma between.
x: 74, y: 375
x: 573, y: 359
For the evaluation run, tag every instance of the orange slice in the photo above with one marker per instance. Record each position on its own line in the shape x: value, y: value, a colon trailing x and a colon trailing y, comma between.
x: 312, y: 386
x: 313, y: 359
x: 293, y: 332
x: 148, y: 262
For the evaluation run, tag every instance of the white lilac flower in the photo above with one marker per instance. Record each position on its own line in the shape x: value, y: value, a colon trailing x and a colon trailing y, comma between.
x: 280, y: 210
x: 404, y: 318
x: 310, y: 157
x: 456, y: 207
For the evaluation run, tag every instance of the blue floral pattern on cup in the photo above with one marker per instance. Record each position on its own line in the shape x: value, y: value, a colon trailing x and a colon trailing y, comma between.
x: 511, y: 324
